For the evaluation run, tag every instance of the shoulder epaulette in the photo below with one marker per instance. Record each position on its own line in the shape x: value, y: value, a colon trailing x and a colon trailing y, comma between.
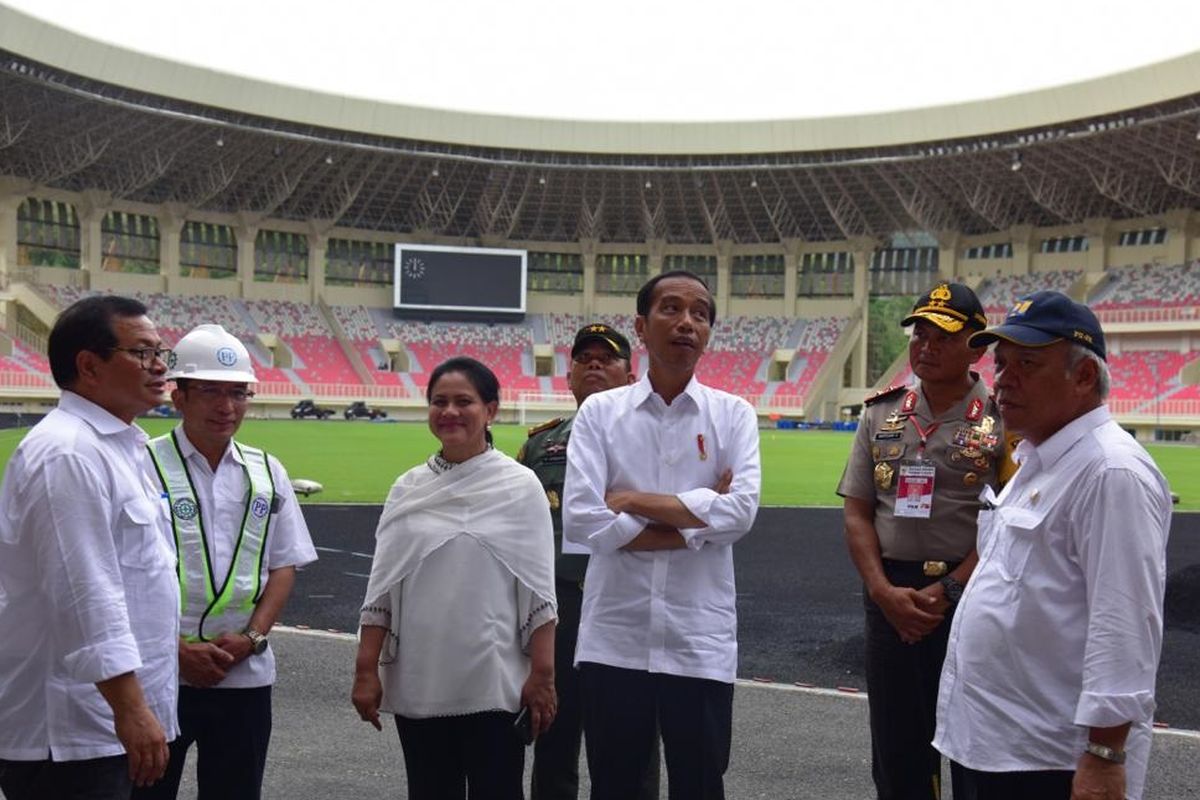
x: 545, y: 426
x: 884, y: 394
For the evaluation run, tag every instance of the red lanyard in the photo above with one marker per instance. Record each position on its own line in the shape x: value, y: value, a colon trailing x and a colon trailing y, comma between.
x: 924, y: 433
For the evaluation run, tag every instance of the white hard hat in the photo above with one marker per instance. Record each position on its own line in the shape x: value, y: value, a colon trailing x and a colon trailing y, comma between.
x: 210, y: 353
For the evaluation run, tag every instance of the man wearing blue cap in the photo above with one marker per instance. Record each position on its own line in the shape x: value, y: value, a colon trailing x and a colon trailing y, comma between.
x: 1048, y: 685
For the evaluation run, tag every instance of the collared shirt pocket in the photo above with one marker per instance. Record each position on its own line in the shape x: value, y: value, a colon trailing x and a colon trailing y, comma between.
x: 142, y: 545
x: 1019, y: 532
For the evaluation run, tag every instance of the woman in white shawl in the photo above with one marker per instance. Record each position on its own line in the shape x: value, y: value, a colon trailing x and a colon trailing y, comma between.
x: 457, y: 633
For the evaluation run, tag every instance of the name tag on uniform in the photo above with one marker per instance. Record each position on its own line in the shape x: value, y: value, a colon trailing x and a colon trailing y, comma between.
x: 914, y: 489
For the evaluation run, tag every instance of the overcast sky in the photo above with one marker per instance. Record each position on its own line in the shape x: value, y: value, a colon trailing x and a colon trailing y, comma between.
x: 650, y: 59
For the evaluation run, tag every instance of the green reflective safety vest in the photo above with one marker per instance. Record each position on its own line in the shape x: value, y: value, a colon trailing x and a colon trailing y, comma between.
x: 208, y: 608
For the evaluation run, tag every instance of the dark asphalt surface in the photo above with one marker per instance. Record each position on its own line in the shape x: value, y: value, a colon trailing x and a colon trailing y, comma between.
x: 799, y: 599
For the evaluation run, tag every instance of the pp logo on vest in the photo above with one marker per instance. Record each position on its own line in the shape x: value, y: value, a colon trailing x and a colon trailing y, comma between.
x: 184, y: 508
x: 226, y: 357
x: 260, y: 507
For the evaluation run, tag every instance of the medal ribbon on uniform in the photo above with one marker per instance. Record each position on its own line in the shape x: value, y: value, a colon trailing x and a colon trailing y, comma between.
x: 924, y: 433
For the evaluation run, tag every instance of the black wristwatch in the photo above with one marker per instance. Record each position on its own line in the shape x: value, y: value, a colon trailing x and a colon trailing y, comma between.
x: 258, y: 641
x: 952, y: 589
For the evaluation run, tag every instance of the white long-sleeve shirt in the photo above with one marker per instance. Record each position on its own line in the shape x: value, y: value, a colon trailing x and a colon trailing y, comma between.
x: 1060, y: 626
x: 222, y: 498
x: 88, y: 589
x: 669, y: 611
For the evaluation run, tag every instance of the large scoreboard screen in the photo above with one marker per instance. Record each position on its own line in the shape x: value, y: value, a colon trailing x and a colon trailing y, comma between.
x: 460, y: 279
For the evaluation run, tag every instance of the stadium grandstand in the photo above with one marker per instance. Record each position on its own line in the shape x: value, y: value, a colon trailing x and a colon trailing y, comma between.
x: 280, y: 212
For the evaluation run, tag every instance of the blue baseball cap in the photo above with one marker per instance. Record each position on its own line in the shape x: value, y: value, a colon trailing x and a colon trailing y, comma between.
x: 1043, y: 318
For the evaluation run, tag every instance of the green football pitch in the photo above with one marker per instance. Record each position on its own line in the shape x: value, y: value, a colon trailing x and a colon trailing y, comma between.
x: 356, y: 462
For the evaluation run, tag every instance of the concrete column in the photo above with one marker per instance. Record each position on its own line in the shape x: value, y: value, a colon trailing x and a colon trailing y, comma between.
x: 948, y: 254
x: 589, y: 276
x: 170, y: 231
x: 863, y: 249
x: 246, y: 235
x: 93, y: 205
x: 656, y: 249
x: 317, y: 244
x: 1100, y: 236
x: 791, y: 275
x: 724, y: 277
x: 1180, y: 226
x: 1023, y: 245
x: 8, y: 237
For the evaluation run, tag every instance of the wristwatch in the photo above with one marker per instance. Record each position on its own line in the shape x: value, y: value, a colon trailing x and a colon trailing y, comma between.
x: 258, y: 641
x: 1106, y: 752
x: 952, y: 589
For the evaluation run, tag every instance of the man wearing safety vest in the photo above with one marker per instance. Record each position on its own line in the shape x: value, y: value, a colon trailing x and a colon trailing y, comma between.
x: 239, y: 536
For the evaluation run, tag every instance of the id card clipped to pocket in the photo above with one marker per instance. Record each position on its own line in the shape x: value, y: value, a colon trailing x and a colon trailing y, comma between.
x: 914, y: 489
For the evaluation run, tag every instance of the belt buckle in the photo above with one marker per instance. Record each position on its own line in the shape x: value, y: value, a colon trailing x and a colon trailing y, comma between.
x: 935, y: 569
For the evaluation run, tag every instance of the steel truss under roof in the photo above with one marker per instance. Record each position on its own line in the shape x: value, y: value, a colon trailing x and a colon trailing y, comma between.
x: 70, y: 132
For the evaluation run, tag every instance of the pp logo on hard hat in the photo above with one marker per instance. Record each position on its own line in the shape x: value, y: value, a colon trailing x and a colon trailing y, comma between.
x: 226, y: 357
x: 184, y: 508
x: 172, y: 360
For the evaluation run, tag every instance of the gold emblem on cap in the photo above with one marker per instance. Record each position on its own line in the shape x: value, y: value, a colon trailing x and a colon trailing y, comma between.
x: 883, y: 475
x: 940, y: 295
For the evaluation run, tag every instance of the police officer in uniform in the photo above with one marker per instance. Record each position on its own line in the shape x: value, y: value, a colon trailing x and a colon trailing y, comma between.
x: 911, y: 492
x: 600, y: 360
x: 239, y: 537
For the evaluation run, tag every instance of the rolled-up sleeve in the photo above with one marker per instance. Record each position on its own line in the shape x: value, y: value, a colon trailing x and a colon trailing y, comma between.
x: 1122, y: 546
x: 71, y: 519
x: 729, y: 517
x: 587, y: 520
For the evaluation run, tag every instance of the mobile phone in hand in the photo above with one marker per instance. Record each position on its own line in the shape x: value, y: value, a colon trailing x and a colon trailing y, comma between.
x: 523, y: 726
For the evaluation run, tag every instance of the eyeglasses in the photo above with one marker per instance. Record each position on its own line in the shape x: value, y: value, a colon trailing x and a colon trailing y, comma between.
x: 147, y: 355
x: 605, y: 357
x: 213, y: 394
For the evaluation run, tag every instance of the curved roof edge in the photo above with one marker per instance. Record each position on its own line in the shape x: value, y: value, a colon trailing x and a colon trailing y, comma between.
x: 71, y: 52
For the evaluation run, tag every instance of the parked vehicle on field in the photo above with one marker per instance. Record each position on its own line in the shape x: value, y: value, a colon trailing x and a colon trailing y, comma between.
x: 360, y: 410
x: 307, y: 408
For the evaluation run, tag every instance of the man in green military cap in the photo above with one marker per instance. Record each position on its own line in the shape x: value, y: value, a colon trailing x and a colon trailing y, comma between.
x: 600, y: 360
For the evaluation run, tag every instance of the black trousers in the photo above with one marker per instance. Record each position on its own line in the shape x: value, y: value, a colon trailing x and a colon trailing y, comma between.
x: 92, y: 779
x: 625, y: 710
x: 475, y: 756
x: 902, y: 686
x: 231, y: 729
x: 1039, y: 785
x: 556, y: 752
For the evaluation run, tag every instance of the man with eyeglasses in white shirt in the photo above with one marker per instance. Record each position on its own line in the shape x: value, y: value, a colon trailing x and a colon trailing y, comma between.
x: 1047, y: 689
x: 239, y: 536
x: 663, y: 478
x: 88, y: 671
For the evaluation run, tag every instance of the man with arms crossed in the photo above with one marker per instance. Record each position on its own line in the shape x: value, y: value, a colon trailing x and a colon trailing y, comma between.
x: 599, y: 361
x: 88, y: 633
x: 941, y: 435
x: 662, y: 479
x: 1048, y: 686
x: 239, y: 535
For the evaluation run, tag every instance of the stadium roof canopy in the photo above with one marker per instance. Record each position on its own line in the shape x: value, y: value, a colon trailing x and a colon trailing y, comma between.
x: 81, y: 115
